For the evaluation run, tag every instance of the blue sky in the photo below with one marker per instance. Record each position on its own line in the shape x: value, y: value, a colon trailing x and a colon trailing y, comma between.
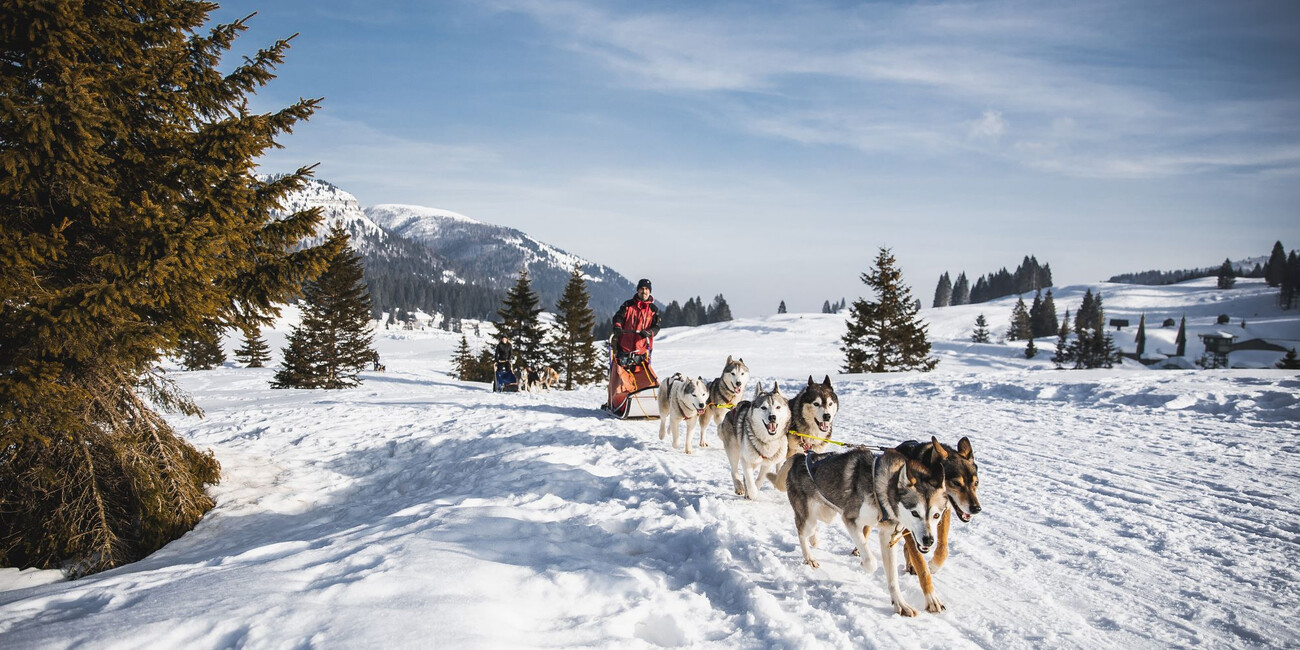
x: 765, y: 150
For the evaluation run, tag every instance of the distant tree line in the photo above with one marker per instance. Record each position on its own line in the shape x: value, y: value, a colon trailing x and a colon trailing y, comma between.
x: 695, y: 312
x: 829, y: 308
x: 1281, y: 271
x: 1029, y: 276
x: 393, y: 284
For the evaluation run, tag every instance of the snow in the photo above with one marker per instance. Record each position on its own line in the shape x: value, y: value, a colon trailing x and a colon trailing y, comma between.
x: 1125, y: 507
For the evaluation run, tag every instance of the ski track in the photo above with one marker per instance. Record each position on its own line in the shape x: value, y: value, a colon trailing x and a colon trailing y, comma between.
x: 1105, y: 524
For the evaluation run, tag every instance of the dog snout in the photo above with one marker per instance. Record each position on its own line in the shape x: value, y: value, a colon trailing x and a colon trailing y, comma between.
x: 974, y: 508
x: 826, y: 417
x: 771, y: 418
x: 926, y: 542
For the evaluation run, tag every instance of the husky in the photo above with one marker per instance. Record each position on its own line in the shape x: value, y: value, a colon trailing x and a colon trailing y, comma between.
x: 889, y: 491
x: 548, y: 377
x: 812, y: 413
x: 724, y: 392
x: 962, y: 477
x: 813, y: 410
x: 681, y: 398
x: 753, y: 433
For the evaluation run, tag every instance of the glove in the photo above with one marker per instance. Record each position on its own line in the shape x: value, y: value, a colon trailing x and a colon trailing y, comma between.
x: 643, y: 334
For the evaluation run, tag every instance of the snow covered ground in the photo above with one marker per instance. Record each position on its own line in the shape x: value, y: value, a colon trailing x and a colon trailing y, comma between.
x: 1122, y: 508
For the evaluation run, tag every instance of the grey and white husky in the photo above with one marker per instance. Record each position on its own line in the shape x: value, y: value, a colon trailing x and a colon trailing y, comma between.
x: 753, y: 433
x: 724, y: 392
x: 865, y: 490
x: 681, y: 398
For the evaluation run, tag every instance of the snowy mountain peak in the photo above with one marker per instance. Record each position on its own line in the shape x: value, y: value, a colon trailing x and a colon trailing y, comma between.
x: 337, y: 207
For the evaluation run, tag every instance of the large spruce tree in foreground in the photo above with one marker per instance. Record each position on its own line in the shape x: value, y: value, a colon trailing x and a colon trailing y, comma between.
x: 332, y: 344
x: 576, y: 355
x: 885, y: 335
x: 129, y: 218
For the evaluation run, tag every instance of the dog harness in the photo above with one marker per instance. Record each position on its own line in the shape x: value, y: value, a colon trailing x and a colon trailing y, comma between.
x: 875, y: 468
x: 733, y: 392
x: 807, y: 446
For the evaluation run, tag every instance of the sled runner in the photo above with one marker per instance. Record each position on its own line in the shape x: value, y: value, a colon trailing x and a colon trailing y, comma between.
x: 504, y: 381
x: 633, y: 387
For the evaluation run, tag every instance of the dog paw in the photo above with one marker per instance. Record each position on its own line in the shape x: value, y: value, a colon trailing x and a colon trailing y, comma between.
x: 903, y: 609
x: 812, y: 541
x: 869, y: 563
x: 812, y: 563
x: 933, y: 605
x: 704, y: 444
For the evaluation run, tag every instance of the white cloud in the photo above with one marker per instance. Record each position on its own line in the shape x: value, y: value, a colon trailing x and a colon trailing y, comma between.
x: 990, y: 126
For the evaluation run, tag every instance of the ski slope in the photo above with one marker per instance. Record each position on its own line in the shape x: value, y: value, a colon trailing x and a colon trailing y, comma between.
x: 1121, y: 508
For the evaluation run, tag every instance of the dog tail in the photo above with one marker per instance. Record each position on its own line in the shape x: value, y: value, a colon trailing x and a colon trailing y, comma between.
x: 778, y: 479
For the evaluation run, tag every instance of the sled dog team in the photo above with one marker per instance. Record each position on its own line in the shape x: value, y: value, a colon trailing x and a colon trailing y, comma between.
x: 908, y: 493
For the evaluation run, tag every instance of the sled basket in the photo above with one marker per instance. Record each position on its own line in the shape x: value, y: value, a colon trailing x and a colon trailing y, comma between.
x: 504, y: 381
x: 633, y: 391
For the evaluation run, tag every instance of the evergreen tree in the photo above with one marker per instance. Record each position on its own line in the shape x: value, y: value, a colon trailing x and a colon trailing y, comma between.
x: 1142, y: 337
x: 577, y: 357
x: 672, y: 316
x: 981, y: 333
x: 1289, y: 362
x: 780, y: 309
x: 201, y: 349
x: 826, y: 308
x: 1021, y: 326
x: 463, y: 361
x: 1290, y: 286
x: 720, y: 311
x: 254, y: 353
x: 1030, y: 350
x: 1227, y: 276
x: 519, y: 320
x: 1062, y: 354
x: 691, y: 315
x: 332, y: 344
x: 961, y: 290
x: 943, y: 292
x: 886, y: 336
x: 1036, y: 313
x: 1045, y: 322
x: 1275, y: 269
x: 1084, y: 318
x: 1181, y: 338
x: 130, y: 218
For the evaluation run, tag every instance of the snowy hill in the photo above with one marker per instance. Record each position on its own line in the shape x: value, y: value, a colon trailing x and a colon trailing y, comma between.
x: 1122, y: 508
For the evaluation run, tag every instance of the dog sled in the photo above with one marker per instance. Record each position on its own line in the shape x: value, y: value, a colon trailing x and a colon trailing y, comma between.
x: 504, y: 380
x: 633, y: 387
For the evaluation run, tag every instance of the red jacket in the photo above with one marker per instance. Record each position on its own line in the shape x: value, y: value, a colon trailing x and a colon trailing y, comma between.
x: 636, y: 316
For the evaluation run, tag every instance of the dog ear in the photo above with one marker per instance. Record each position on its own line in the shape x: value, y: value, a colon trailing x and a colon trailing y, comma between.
x: 827, y: 382
x: 776, y: 388
x: 938, y: 448
x: 729, y: 361
x: 810, y: 381
x: 964, y: 450
x: 905, y: 479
